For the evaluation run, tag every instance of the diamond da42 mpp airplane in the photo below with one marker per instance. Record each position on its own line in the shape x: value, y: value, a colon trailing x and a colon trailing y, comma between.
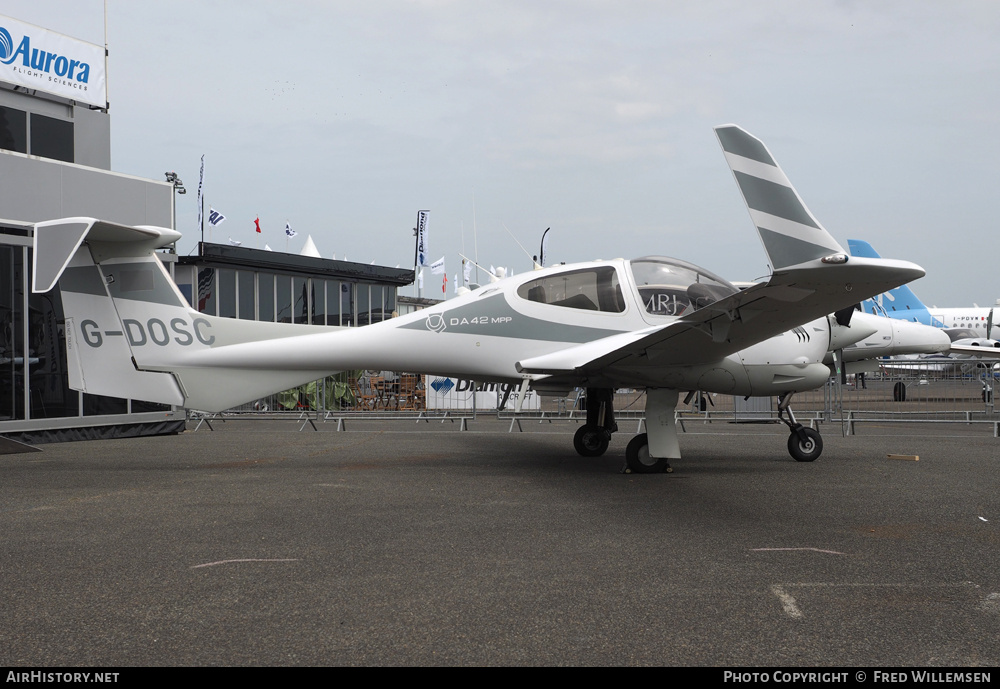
x: 656, y: 323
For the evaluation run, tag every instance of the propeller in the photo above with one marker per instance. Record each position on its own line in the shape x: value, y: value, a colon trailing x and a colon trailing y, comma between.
x: 844, y: 315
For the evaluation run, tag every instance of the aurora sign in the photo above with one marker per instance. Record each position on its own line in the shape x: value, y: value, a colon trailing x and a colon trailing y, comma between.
x: 39, y: 59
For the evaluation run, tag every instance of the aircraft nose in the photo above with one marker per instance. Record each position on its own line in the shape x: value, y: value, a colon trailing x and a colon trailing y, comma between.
x: 920, y: 338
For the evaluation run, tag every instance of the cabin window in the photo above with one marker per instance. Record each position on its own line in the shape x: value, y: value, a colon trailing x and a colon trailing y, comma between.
x: 591, y: 289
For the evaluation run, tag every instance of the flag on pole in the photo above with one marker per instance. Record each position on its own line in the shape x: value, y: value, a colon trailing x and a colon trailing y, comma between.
x: 215, y: 218
x: 438, y: 266
x: 466, y: 272
x: 234, y: 242
x: 422, y: 237
x: 444, y: 284
x: 289, y: 231
x: 256, y: 224
x: 206, y: 285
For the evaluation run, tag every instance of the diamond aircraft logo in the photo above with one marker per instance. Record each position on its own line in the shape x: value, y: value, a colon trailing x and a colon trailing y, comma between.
x: 435, y: 323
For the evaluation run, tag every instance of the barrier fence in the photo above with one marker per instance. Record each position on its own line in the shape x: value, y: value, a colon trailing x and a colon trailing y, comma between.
x: 899, y: 391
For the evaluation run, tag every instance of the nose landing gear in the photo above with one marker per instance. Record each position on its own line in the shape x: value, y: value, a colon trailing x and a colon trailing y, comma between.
x: 804, y: 444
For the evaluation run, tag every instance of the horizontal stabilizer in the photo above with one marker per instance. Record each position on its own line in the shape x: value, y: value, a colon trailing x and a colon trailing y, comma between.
x: 56, y: 242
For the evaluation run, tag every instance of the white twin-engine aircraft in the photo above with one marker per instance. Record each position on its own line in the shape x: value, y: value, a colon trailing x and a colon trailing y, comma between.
x: 655, y: 323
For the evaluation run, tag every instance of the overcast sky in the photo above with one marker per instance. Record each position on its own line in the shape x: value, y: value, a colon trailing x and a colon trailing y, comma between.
x: 595, y: 118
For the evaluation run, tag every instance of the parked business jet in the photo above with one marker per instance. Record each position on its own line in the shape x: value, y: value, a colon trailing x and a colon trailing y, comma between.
x: 656, y: 323
x: 902, y: 303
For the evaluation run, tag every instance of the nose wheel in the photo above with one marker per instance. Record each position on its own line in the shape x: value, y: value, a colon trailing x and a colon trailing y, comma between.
x: 804, y: 444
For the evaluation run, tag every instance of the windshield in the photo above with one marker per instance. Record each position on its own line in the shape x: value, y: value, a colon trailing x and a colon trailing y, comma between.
x: 670, y: 287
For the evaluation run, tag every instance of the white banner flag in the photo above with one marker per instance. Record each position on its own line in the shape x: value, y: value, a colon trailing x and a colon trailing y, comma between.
x: 37, y: 58
x: 438, y: 266
x: 422, y: 237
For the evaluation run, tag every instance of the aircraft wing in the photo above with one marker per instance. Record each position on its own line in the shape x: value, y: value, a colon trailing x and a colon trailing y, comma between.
x: 791, y: 298
x: 976, y: 350
x: 813, y: 276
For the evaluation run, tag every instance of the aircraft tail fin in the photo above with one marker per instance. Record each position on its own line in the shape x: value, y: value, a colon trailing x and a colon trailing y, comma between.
x: 130, y: 332
x: 860, y: 247
x: 790, y: 233
x: 900, y: 302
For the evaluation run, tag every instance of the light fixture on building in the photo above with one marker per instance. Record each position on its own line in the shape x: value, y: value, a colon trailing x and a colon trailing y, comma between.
x: 176, y: 181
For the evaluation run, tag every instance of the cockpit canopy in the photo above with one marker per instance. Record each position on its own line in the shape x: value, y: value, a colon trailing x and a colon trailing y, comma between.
x: 667, y: 287
x: 670, y: 287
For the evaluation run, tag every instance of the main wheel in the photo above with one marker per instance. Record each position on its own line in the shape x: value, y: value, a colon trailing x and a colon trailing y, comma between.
x: 591, y: 441
x: 637, y: 457
x: 805, y: 449
x: 899, y: 392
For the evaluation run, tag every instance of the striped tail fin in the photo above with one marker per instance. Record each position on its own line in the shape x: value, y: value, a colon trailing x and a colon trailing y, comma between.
x: 790, y: 233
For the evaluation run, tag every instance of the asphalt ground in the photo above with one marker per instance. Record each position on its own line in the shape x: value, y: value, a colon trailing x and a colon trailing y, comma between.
x: 398, y: 543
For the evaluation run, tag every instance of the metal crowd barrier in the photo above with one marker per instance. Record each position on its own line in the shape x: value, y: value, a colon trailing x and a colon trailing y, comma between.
x: 900, y: 391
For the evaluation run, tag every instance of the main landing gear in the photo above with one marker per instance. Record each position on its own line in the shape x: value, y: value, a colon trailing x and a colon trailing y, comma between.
x: 651, y: 452
x: 592, y: 439
x: 804, y: 444
x: 646, y: 453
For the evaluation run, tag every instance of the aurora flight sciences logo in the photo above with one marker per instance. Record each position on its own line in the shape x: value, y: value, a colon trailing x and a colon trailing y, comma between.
x: 6, y: 45
x: 41, y: 60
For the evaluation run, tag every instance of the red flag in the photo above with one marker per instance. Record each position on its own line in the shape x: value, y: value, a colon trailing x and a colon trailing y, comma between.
x: 256, y: 223
x: 444, y: 284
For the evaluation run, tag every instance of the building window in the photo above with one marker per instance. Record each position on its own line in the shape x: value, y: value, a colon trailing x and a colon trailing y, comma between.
x: 318, y: 310
x: 346, y: 303
x: 390, y: 301
x: 300, y: 293
x: 244, y: 285
x: 332, y: 302
x: 265, y: 297
x: 364, y: 304
x: 51, y: 138
x: 227, y: 292
x: 11, y: 334
x: 13, y: 130
x: 283, y: 290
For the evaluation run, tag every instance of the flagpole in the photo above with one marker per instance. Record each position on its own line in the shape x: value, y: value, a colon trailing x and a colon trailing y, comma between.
x: 475, y: 237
